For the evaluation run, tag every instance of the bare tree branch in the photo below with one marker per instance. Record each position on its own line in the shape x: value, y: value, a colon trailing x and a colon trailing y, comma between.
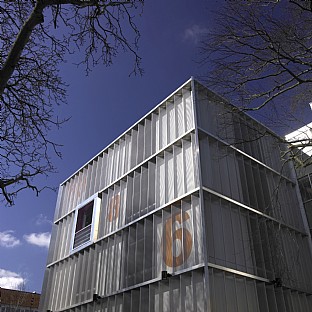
x: 254, y: 43
x: 259, y: 56
x: 36, y: 36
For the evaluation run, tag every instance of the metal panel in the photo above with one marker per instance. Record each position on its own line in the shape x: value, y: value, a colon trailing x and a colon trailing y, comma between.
x: 151, y: 219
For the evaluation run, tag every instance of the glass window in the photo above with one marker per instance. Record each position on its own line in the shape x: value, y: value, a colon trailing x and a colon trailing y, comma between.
x: 84, y: 216
x: 83, y: 225
x: 86, y: 225
x: 305, y: 188
x: 308, y: 209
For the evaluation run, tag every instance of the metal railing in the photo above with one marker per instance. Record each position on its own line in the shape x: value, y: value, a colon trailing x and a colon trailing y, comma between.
x: 82, y: 236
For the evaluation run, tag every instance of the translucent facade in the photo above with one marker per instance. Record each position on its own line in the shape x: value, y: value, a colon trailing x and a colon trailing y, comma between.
x: 303, y: 166
x: 191, y: 209
x: 305, y: 184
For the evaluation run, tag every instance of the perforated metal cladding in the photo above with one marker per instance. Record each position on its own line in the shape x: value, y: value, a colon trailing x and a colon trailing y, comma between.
x: 161, y: 127
x: 190, y: 196
x: 138, y: 253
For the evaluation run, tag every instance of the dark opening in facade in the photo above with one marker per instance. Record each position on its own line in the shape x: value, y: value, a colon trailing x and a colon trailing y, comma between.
x: 83, y: 225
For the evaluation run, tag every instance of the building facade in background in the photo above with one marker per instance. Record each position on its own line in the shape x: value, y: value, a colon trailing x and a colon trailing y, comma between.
x: 191, y: 209
x: 18, y: 301
x: 304, y: 167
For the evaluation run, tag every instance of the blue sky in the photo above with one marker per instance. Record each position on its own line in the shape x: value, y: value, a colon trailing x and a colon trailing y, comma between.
x: 101, y: 107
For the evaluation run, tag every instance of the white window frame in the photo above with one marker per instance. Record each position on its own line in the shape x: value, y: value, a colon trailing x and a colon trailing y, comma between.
x: 94, y: 225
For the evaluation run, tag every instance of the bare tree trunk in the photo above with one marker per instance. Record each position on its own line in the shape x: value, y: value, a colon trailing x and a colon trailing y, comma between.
x: 30, y: 83
x: 35, y: 18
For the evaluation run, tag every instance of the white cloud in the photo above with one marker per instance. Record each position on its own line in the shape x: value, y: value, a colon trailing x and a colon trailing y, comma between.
x: 38, y: 239
x: 194, y: 33
x: 11, y: 280
x: 7, y: 239
x: 42, y: 219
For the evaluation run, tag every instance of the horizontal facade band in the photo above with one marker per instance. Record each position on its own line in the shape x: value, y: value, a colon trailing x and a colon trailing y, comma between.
x: 279, y: 222
x: 187, y: 84
x: 175, y: 275
x: 245, y: 154
x: 181, y: 198
x: 131, y: 171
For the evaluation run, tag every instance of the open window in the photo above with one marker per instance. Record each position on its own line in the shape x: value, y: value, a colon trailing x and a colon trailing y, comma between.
x: 86, y: 223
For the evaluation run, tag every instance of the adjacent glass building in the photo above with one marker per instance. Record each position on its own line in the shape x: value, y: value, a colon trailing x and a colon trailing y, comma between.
x: 304, y: 166
x: 191, y: 209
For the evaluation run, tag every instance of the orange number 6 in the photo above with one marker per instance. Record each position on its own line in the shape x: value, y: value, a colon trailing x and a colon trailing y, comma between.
x: 180, y: 234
